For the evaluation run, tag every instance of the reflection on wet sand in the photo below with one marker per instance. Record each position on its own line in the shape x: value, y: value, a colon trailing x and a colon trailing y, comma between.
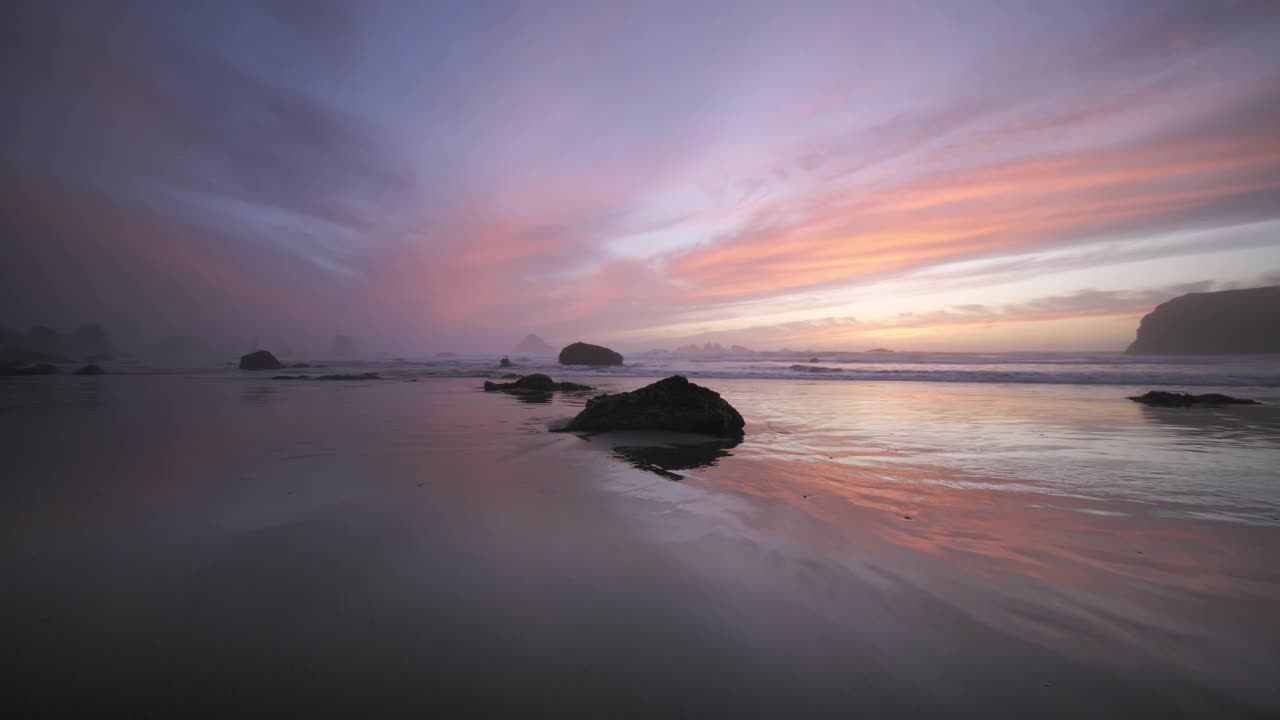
x: 257, y: 393
x: 663, y: 460
x: 1235, y: 424
x: 422, y: 548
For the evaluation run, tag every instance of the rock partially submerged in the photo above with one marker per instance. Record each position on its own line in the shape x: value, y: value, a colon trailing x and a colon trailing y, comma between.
x: 260, y: 360
x: 36, y: 369
x: 673, y: 404
x: 504, y: 362
x: 90, y: 370
x: 536, y: 382
x: 1160, y: 398
x: 581, y: 353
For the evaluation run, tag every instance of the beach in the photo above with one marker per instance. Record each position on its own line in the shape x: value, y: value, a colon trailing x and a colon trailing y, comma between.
x: 224, y: 544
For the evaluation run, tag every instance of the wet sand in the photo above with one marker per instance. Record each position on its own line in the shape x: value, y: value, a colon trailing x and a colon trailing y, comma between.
x: 176, y: 547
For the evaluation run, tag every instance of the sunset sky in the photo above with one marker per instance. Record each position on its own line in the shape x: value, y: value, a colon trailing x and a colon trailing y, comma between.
x: 432, y: 176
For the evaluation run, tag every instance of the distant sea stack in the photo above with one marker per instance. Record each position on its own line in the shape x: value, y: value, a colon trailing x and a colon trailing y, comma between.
x: 534, y: 345
x: 1230, y: 322
x: 581, y: 353
x: 260, y: 360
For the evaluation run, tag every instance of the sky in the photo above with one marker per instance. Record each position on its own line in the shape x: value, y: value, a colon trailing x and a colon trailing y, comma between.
x: 430, y: 176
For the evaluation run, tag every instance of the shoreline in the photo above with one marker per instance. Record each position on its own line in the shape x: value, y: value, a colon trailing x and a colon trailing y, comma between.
x: 383, y: 547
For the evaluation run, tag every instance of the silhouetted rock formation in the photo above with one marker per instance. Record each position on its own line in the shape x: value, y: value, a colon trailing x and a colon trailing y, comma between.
x: 673, y: 404
x: 260, y: 360
x: 879, y: 351
x: 1230, y: 322
x: 1160, y: 398
x: 581, y: 353
x: 814, y: 359
x: 90, y: 370
x: 534, y: 345
x: 536, y: 382
x: 342, y: 376
x: 37, y: 369
x: 504, y: 362
x: 740, y: 349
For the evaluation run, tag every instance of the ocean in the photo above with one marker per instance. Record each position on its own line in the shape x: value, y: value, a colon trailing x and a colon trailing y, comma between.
x: 904, y: 535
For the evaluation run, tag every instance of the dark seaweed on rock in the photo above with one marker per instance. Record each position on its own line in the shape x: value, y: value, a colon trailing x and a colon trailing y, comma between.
x: 673, y: 404
x: 1160, y: 398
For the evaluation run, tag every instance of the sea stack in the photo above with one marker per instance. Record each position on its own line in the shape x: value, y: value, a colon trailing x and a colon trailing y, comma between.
x: 1230, y: 322
x: 581, y: 353
x: 260, y: 360
x: 534, y: 345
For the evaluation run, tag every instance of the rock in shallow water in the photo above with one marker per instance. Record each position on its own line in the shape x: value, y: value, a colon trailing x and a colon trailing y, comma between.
x: 536, y: 382
x: 1160, y: 398
x: 581, y: 353
x: 90, y: 370
x: 673, y: 404
x: 260, y: 360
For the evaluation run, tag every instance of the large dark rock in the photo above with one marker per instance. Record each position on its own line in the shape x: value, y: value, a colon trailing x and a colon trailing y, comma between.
x: 1231, y: 322
x: 260, y: 360
x: 534, y: 345
x: 536, y: 382
x: 37, y: 369
x: 1160, y: 398
x: 90, y: 370
x: 504, y: 362
x: 673, y: 404
x: 581, y: 353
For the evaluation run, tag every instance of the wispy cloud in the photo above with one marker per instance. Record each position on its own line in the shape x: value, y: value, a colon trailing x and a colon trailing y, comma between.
x: 455, y: 173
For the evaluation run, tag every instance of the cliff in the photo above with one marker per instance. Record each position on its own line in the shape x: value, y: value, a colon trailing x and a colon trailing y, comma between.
x: 1230, y: 322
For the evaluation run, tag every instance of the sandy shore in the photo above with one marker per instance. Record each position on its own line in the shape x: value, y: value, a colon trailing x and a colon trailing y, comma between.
x: 179, y: 547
